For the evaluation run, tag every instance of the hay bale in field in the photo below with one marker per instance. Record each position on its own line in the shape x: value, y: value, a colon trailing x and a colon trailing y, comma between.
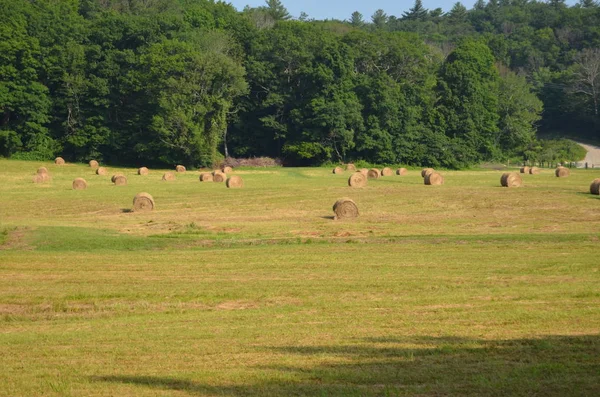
x: 119, y: 180
x: 101, y: 171
x: 534, y: 171
x: 180, y: 169
x: 143, y: 202
x: 168, y: 176
x: 42, y: 170
x: 79, y: 184
x: 595, y: 187
x: 373, y: 173
x: 338, y: 170
x: 93, y: 164
x: 562, y: 172
x: 350, y: 167
x: 511, y: 179
x: 364, y: 171
x: 41, y: 178
x: 525, y: 170
x: 345, y: 208
x: 426, y: 171
x: 219, y: 177
x: 227, y: 170
x: 206, y: 177
x: 434, y: 178
x: 357, y: 179
x: 143, y: 171
x: 112, y: 178
x: 387, y: 171
x: 401, y: 171
x: 234, y: 182
x: 59, y: 161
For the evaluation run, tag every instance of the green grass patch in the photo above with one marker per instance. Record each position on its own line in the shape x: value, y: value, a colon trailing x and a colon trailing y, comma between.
x: 461, y: 289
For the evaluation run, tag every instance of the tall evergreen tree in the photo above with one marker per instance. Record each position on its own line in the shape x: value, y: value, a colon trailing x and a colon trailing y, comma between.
x: 416, y: 13
x: 356, y: 19
x: 277, y: 10
x: 379, y: 18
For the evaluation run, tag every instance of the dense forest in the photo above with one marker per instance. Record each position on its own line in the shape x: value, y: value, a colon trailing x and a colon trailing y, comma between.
x: 163, y: 82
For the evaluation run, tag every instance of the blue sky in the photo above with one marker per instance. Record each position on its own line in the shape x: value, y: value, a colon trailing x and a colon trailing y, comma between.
x: 341, y: 9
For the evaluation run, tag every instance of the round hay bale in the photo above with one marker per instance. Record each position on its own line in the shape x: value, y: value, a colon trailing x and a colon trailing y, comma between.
x: 143, y: 202
x: 345, y: 208
x: 119, y: 180
x: 112, y: 178
x: 373, y: 173
x: 59, y: 161
x: 219, y: 177
x: 41, y: 178
x: 234, y: 182
x: 364, y: 171
x: 338, y: 170
x: 525, y: 170
x: 387, y: 172
x: 227, y: 170
x: 401, y: 171
x: 42, y: 170
x: 511, y: 179
x: 562, y: 172
x: 595, y: 187
x: 206, y: 177
x: 434, y: 178
x: 357, y: 179
x: 180, y: 169
x: 93, y: 164
x: 534, y: 171
x: 168, y: 176
x: 426, y: 171
x: 79, y: 184
x: 101, y: 171
x: 143, y: 171
x: 350, y: 167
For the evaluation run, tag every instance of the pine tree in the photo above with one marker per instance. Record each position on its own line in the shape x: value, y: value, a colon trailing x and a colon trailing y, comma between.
x: 356, y: 19
x: 379, y: 18
x: 277, y: 10
x: 416, y: 13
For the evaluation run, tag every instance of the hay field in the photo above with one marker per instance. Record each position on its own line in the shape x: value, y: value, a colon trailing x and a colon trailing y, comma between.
x: 462, y: 289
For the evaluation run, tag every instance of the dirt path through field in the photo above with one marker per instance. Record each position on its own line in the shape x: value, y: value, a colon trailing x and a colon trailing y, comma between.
x: 592, y: 157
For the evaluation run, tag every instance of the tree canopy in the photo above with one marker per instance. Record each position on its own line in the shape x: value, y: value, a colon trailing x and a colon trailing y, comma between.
x: 165, y: 82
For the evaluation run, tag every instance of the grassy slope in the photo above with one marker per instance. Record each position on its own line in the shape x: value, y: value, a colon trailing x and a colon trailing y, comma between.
x: 467, y: 288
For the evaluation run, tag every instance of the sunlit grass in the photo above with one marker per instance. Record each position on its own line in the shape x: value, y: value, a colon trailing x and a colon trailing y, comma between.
x: 466, y: 288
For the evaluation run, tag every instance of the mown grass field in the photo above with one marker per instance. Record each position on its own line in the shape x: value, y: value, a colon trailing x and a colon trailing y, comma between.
x: 462, y: 289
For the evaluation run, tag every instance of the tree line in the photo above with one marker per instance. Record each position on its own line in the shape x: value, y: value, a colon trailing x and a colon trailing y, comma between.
x: 164, y: 82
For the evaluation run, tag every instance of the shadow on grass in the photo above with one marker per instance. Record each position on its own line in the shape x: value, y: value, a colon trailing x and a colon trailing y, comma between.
x: 126, y: 210
x: 589, y: 195
x: 550, y: 366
